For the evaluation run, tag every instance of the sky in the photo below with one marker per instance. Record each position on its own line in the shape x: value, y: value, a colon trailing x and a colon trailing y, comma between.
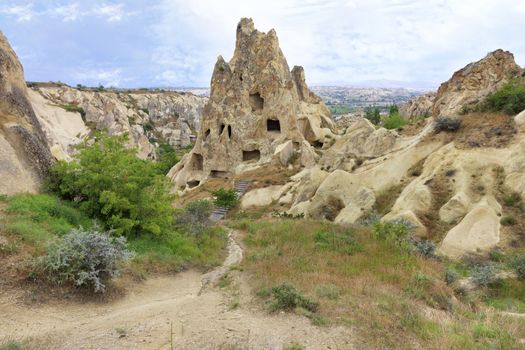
x: 168, y: 43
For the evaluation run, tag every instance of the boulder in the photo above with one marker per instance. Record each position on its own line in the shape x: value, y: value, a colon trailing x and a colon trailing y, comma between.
x: 261, y: 197
x: 284, y: 152
x: 455, y: 208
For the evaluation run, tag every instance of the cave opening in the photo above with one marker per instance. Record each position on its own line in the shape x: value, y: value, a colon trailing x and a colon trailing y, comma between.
x: 256, y: 102
x: 248, y: 156
x: 273, y: 125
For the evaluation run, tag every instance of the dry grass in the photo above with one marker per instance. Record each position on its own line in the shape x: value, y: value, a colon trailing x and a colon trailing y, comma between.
x: 383, y: 290
x: 441, y: 190
x: 385, y: 200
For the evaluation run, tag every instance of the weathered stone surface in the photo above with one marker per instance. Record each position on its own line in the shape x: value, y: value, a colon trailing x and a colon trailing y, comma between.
x: 455, y: 208
x: 419, y: 107
x: 471, y: 84
x: 24, y: 154
x: 261, y: 197
x: 477, y: 232
x: 255, y: 105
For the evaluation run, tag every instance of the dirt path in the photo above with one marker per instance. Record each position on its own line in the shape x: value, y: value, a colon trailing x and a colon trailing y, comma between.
x: 199, y: 316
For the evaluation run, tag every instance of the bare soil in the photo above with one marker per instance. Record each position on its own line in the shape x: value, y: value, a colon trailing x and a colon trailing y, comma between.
x: 185, y: 311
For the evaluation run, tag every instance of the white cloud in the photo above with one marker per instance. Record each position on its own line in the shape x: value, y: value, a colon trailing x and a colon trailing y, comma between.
x: 94, y: 76
x: 349, y: 40
x: 68, y: 13
x: 111, y: 12
x: 22, y: 13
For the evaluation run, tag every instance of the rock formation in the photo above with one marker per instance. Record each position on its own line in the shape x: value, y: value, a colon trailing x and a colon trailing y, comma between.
x: 24, y: 154
x: 419, y: 107
x: 258, y: 110
x: 147, y: 117
x: 471, y: 84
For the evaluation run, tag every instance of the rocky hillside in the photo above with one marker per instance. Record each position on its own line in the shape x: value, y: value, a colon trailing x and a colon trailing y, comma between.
x: 24, y: 154
x: 148, y: 117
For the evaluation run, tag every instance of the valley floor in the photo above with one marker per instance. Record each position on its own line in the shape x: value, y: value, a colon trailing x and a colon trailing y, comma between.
x: 197, y: 315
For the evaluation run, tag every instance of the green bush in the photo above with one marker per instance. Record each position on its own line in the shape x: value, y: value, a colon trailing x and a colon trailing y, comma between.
x: 394, y: 231
x: 447, y: 124
x: 86, y: 258
x: 373, y: 114
x: 483, y: 275
x: 195, y: 217
x: 508, y: 221
x: 518, y: 264
x: 451, y: 275
x: 167, y: 158
x: 510, y: 98
x: 287, y: 298
x: 225, y: 198
x: 394, y: 121
x: 329, y: 291
x: 109, y: 182
x: 512, y: 200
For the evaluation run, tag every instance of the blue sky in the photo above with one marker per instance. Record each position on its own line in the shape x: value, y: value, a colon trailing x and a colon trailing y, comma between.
x: 141, y: 43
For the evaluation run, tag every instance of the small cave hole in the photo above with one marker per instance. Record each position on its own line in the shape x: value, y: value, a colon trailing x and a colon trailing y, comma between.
x: 197, y: 161
x: 256, y: 102
x: 229, y: 131
x: 317, y: 144
x: 248, y: 156
x: 273, y: 125
x: 218, y: 174
x: 193, y: 183
x: 207, y: 133
x: 222, y: 129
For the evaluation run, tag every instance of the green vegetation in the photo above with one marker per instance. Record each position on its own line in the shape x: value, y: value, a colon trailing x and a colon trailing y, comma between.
x: 447, y: 124
x: 224, y: 198
x: 377, y: 290
x: 293, y: 346
x: 394, y: 121
x: 512, y: 200
x: 518, y: 264
x: 508, y: 221
x: 86, y: 259
x: 75, y: 109
x: 510, y: 98
x: 373, y: 114
x: 110, y: 183
x: 167, y: 158
x: 339, y: 109
x: 287, y: 298
x: 195, y: 216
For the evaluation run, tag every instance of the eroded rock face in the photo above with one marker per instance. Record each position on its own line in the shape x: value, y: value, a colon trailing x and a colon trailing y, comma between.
x: 24, y: 154
x: 419, y: 107
x: 256, y: 104
x: 471, y: 84
x: 170, y: 116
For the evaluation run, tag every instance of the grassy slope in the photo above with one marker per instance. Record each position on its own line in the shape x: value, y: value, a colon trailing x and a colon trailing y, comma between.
x: 393, y: 299
x: 35, y: 220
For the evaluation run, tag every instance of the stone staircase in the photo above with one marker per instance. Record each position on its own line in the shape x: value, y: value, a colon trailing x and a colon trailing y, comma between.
x: 240, y: 188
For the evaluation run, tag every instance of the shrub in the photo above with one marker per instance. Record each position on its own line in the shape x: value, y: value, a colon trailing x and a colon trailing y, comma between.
x: 394, y: 121
x: 110, y: 182
x: 225, y: 198
x: 426, y: 248
x: 196, y: 216
x: 373, y: 114
x: 508, y: 221
x: 451, y: 275
x: 293, y: 346
x: 167, y: 158
x: 518, y: 264
x: 395, y: 231
x: 446, y: 124
x: 510, y: 98
x: 512, y: 200
x: 86, y: 258
x: 483, y: 275
x: 287, y: 298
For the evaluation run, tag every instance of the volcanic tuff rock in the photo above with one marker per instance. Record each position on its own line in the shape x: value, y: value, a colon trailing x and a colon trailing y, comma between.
x: 418, y: 107
x: 24, y: 154
x: 169, y: 116
x: 471, y: 84
x: 256, y: 104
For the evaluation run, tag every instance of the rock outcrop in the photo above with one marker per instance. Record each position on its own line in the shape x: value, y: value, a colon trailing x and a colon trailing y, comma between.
x: 147, y: 117
x: 24, y: 154
x: 419, y: 107
x: 256, y: 104
x: 471, y: 84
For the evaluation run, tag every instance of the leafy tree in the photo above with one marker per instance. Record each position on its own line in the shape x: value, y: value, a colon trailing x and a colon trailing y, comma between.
x: 393, y: 110
x: 373, y: 114
x: 167, y: 158
x: 110, y: 182
x: 225, y: 198
x: 510, y: 99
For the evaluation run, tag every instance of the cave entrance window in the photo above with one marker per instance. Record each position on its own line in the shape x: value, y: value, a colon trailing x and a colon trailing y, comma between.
x: 248, y: 156
x: 197, y: 161
x: 218, y: 174
x: 222, y: 129
x: 318, y: 144
x: 193, y: 183
x: 207, y: 133
x: 230, y: 131
x: 273, y: 125
x: 256, y: 102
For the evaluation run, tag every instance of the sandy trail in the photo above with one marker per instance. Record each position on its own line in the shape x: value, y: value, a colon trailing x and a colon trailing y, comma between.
x: 198, y: 315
